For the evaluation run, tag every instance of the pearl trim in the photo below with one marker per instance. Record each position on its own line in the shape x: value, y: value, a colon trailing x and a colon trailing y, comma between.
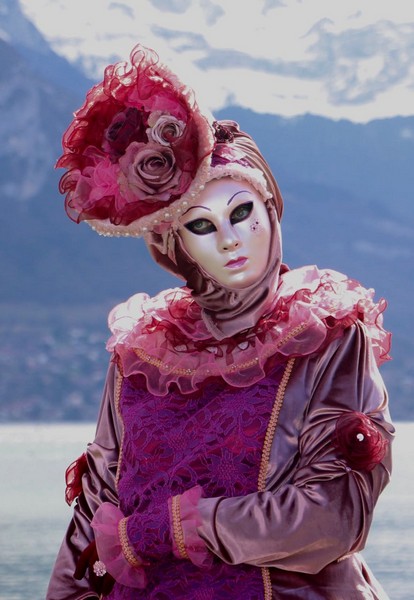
x: 171, y: 214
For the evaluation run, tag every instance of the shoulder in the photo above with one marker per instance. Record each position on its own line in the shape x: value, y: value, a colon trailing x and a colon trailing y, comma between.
x: 326, y: 303
x: 139, y: 311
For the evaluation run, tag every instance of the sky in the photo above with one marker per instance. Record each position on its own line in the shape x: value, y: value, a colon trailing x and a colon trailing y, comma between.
x: 350, y: 59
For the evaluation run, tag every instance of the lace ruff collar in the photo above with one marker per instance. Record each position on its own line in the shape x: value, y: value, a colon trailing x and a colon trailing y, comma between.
x: 164, y: 338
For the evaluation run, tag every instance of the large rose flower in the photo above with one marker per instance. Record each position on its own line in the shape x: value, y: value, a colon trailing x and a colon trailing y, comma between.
x: 126, y: 126
x: 164, y: 128
x: 135, y: 146
x: 359, y: 441
x: 148, y: 172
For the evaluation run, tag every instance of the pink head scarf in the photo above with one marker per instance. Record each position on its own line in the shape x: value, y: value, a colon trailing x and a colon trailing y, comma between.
x: 228, y: 311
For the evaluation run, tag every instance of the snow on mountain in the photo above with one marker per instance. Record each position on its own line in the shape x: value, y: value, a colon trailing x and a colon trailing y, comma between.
x: 352, y: 60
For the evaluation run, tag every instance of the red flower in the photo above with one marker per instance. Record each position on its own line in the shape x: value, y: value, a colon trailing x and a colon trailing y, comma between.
x: 135, y: 146
x: 126, y: 126
x: 359, y: 441
x: 73, y: 477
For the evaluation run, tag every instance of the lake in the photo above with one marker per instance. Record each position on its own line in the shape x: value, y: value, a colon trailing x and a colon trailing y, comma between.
x: 34, y: 516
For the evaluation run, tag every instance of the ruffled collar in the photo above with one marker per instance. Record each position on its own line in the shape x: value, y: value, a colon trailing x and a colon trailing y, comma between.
x: 165, y: 340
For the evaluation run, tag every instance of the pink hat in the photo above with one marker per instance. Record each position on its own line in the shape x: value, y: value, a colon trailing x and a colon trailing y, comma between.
x: 139, y: 151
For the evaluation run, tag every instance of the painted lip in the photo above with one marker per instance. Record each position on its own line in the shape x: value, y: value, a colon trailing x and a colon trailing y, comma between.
x: 237, y: 262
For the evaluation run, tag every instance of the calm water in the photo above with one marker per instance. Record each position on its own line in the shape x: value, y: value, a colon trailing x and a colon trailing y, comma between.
x: 34, y: 516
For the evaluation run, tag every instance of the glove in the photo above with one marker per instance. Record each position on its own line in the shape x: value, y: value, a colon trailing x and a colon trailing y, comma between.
x: 89, y: 561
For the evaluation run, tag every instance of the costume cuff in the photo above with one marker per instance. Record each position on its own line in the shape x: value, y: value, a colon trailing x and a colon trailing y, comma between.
x: 114, y: 550
x: 184, y: 520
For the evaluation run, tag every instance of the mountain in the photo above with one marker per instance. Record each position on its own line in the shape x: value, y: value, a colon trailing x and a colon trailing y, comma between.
x: 352, y: 61
x: 347, y: 190
x: 30, y: 45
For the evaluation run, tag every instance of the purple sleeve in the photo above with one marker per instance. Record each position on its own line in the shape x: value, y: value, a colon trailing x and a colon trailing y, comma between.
x: 98, y: 486
x: 324, y: 509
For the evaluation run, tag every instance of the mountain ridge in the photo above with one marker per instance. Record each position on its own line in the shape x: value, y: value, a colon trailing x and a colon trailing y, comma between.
x: 347, y: 190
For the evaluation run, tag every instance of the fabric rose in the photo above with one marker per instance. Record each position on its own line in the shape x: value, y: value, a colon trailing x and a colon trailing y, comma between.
x: 359, y: 441
x: 148, y: 170
x: 135, y: 146
x: 127, y: 126
x: 164, y: 128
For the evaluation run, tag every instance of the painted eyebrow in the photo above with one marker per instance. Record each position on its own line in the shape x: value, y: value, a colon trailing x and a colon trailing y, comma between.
x: 197, y: 206
x: 231, y: 199
x: 237, y: 193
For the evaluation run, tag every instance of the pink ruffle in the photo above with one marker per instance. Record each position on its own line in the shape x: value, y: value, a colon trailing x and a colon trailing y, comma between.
x: 164, y: 338
x: 105, y: 525
x: 190, y: 519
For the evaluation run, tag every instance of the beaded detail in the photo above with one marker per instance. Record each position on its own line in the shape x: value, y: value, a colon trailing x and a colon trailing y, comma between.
x: 126, y: 548
x: 99, y: 568
x: 178, y: 530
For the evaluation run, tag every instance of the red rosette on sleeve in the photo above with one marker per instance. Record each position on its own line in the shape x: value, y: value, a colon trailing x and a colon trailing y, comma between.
x: 359, y: 441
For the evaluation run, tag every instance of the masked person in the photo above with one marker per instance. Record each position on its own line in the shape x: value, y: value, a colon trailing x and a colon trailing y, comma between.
x: 244, y: 436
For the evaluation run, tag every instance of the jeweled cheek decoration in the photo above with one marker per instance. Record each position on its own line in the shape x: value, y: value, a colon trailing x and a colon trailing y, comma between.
x: 255, y: 226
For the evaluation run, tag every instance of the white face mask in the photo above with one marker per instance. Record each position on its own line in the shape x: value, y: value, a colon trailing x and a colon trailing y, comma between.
x: 228, y: 233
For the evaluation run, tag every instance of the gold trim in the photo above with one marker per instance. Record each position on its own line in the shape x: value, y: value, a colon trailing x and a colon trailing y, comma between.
x: 156, y: 362
x: 128, y: 552
x: 267, y: 448
x: 292, y: 333
x: 177, y: 526
x: 271, y: 428
x: 267, y: 584
x: 118, y: 390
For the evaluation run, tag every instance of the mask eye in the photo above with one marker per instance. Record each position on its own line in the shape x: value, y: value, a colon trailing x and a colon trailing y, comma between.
x: 200, y: 226
x: 241, y: 212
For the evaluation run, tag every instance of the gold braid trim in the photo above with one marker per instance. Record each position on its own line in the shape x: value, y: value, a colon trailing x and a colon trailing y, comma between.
x: 267, y: 448
x: 118, y: 389
x: 267, y: 584
x: 159, y: 364
x: 177, y: 527
x: 122, y: 525
x: 126, y: 548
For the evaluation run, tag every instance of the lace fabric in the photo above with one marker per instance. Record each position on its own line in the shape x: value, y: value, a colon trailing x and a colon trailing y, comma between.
x: 213, y: 439
x: 165, y: 340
